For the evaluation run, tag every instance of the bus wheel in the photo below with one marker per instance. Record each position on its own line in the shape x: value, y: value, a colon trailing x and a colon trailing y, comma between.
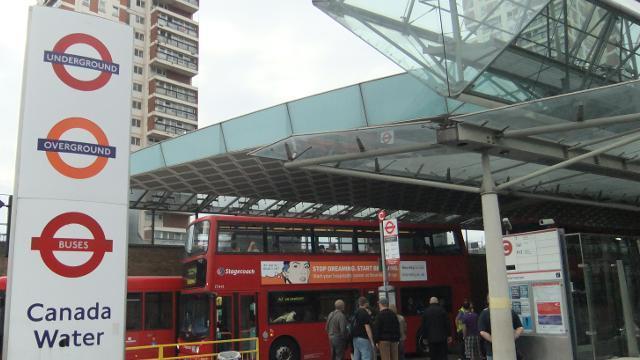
x: 284, y: 349
x: 422, y: 346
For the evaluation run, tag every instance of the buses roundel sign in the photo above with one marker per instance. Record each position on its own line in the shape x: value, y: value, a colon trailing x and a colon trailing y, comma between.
x: 47, y: 243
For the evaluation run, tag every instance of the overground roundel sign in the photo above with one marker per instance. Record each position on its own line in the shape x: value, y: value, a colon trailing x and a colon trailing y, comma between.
x: 59, y: 59
x: 53, y: 145
x: 47, y: 243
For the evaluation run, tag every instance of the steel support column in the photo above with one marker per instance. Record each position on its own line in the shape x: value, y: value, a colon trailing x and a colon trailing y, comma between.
x: 503, y: 343
x: 627, y: 312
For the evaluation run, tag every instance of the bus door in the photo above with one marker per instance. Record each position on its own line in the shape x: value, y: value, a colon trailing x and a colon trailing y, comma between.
x: 247, y: 319
x: 371, y: 293
x: 236, y: 318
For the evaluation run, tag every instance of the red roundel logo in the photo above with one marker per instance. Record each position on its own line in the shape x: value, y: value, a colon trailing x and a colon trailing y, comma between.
x: 508, y: 247
x: 53, y: 145
x: 389, y: 227
x: 60, y: 59
x: 47, y: 243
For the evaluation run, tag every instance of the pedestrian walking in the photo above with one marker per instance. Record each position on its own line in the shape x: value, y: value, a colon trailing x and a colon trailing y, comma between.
x: 336, y: 328
x: 386, y: 331
x: 436, y: 329
x: 471, y: 333
x: 363, y: 345
x: 460, y: 330
x: 484, y: 328
x: 403, y: 331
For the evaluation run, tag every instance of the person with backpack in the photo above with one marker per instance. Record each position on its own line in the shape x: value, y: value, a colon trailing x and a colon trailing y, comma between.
x: 336, y: 328
x: 363, y: 345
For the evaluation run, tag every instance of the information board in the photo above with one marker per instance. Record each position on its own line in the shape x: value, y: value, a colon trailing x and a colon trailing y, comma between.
x: 547, y: 298
x: 533, y: 256
x: 67, y: 264
x: 521, y: 304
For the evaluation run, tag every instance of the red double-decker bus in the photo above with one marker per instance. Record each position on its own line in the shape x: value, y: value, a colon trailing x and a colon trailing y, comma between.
x: 278, y: 278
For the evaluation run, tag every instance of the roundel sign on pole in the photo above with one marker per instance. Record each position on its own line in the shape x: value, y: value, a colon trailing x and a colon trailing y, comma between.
x: 47, y: 243
x: 60, y: 59
x: 508, y: 247
x: 381, y: 215
x: 390, y: 227
x: 53, y: 145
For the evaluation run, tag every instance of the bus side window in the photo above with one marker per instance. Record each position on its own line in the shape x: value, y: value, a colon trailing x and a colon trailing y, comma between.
x: 368, y: 244
x: 334, y: 240
x: 240, y: 238
x: 158, y: 310
x: 445, y: 242
x: 134, y: 311
x: 285, y: 240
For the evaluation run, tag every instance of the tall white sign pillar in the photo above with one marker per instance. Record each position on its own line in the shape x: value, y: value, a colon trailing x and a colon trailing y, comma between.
x: 67, y: 263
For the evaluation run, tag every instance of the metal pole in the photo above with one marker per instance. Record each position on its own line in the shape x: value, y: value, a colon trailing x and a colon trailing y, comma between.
x: 592, y: 332
x: 9, y: 210
x: 561, y: 165
x: 153, y: 227
x: 627, y: 312
x: 455, y: 26
x: 400, y: 149
x: 571, y: 125
x: 503, y: 343
x: 391, y: 178
x: 385, y: 280
x: 567, y: 78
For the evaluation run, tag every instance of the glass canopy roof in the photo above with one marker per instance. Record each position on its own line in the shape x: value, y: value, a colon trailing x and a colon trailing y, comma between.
x: 505, y: 50
x: 416, y: 149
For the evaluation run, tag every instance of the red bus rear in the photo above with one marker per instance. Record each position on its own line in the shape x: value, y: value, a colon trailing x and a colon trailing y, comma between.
x: 151, y: 313
x: 277, y: 279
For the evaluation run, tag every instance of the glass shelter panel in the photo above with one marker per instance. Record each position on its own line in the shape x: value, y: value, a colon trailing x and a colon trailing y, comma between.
x: 445, y: 43
x: 597, y: 296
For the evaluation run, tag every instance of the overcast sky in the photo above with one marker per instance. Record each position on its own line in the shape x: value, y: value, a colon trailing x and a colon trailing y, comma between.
x: 253, y: 54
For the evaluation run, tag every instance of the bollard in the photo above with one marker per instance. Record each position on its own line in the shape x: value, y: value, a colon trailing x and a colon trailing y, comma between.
x: 229, y: 355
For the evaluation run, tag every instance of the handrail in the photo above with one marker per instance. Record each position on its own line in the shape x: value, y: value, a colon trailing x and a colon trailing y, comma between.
x: 161, y: 348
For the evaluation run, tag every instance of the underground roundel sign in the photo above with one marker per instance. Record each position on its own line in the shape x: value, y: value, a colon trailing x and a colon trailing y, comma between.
x: 103, y: 66
x: 53, y: 145
x: 47, y: 243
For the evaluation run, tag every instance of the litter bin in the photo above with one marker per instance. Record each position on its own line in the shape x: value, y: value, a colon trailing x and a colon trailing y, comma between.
x: 229, y: 355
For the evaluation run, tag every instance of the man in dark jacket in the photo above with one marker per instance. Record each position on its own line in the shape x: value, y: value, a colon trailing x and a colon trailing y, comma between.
x: 386, y: 330
x: 436, y: 329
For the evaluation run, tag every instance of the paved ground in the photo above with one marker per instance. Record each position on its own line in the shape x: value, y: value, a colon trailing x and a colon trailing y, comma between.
x: 413, y: 357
